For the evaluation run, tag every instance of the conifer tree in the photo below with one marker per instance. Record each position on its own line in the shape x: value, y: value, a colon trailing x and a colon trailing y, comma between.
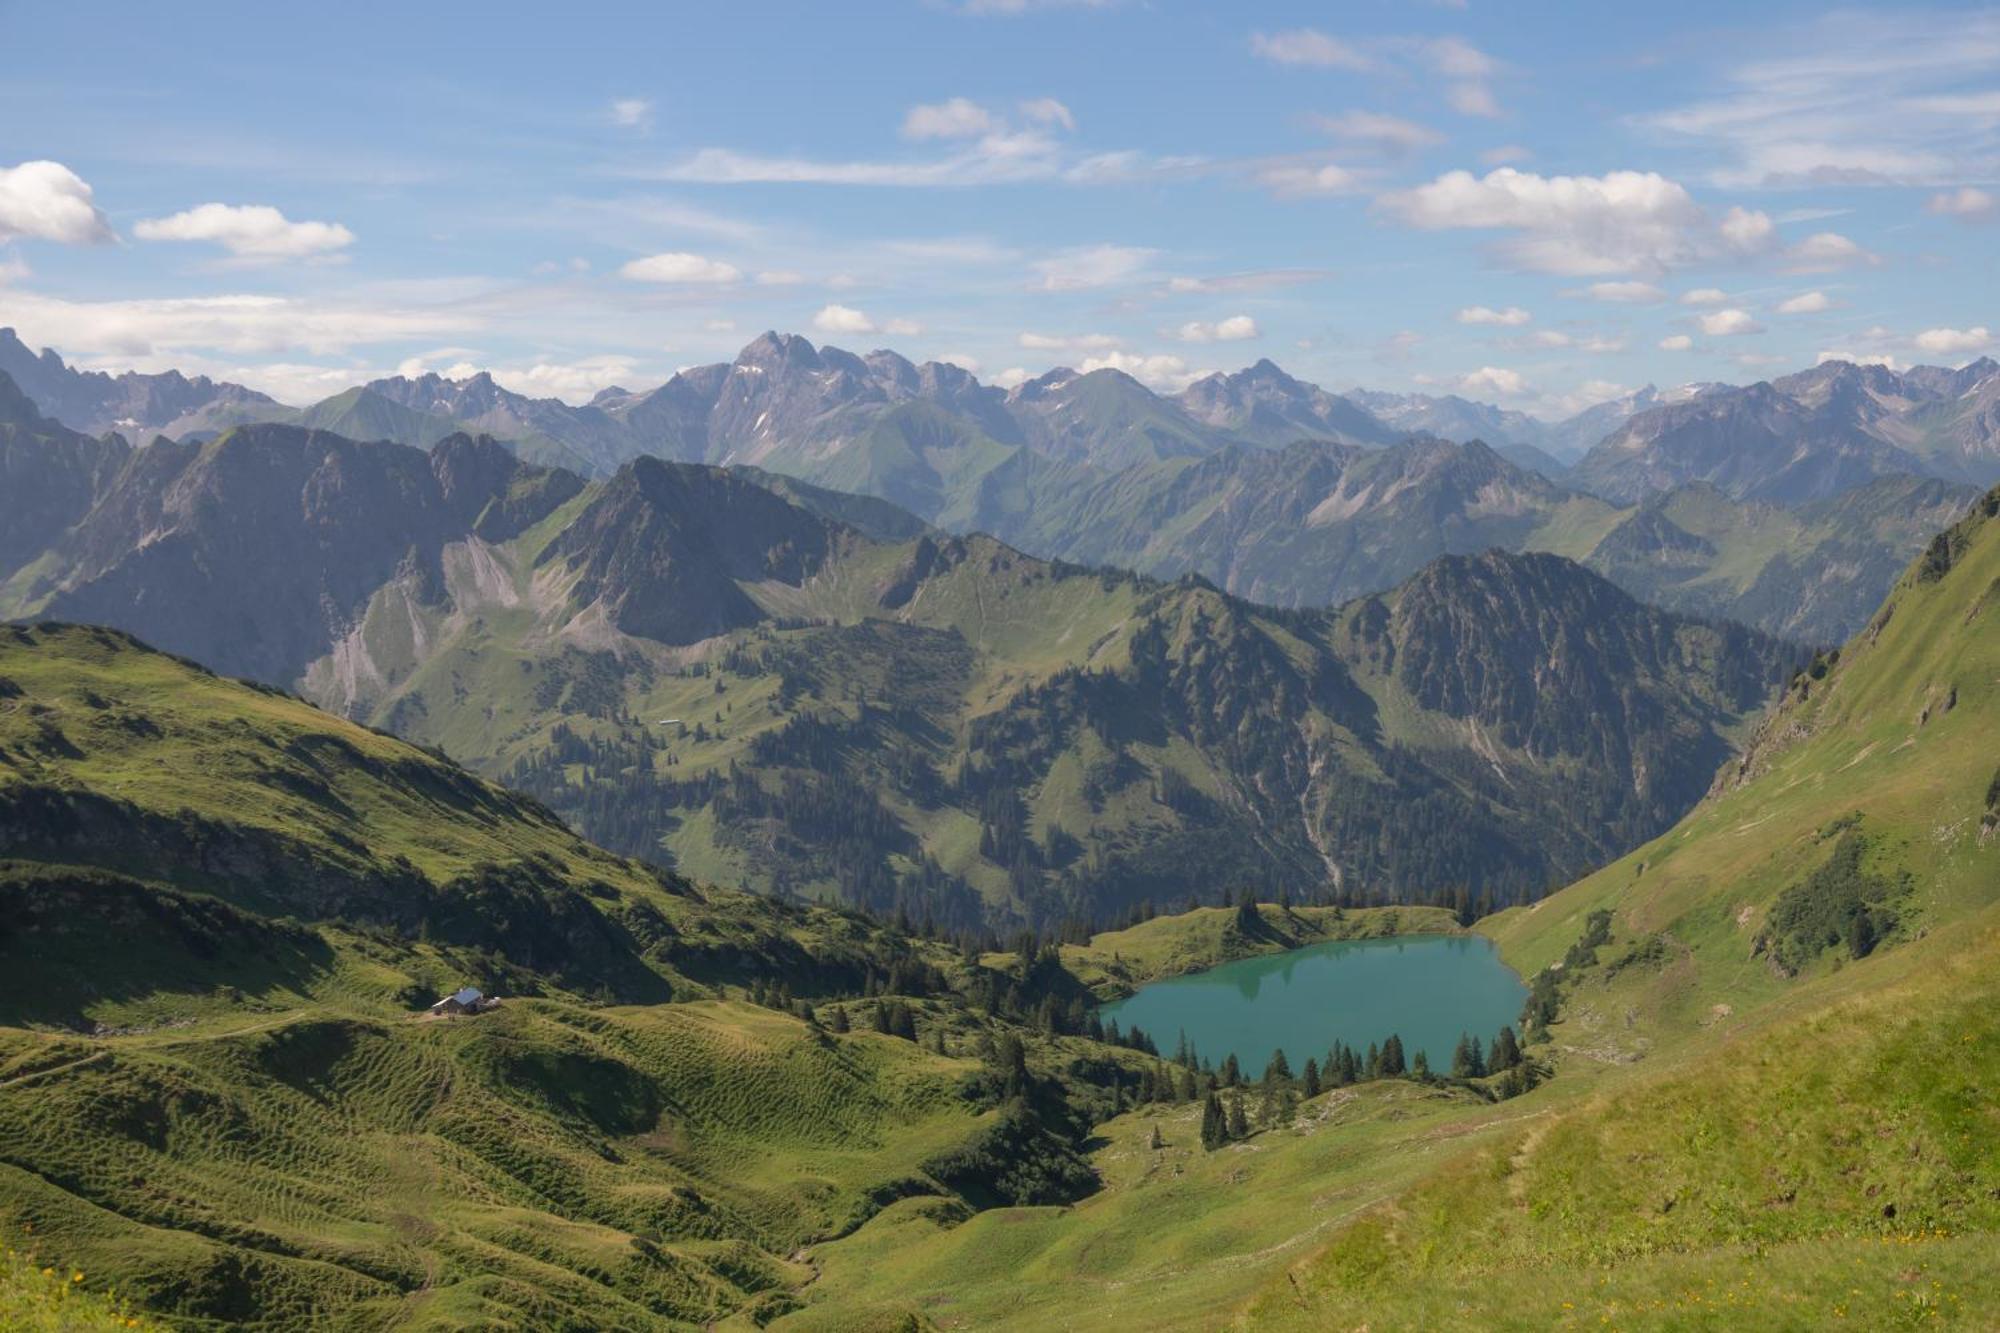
x: 1239, y: 1126
x: 1506, y: 1051
x: 1392, y: 1057
x: 1214, y: 1129
x: 1311, y: 1079
x: 1420, y: 1067
x: 1279, y: 1066
x: 1155, y: 1140
x: 1232, y: 1073
x: 839, y: 1021
x: 1373, y: 1066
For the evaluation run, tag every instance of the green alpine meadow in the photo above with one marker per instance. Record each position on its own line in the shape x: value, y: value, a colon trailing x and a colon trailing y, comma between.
x: 1062, y: 666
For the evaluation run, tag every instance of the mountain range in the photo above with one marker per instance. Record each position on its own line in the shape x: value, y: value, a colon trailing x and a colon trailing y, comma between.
x: 677, y: 658
x: 693, y: 1106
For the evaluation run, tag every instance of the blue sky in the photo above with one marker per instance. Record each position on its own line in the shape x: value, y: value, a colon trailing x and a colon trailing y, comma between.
x: 1535, y: 204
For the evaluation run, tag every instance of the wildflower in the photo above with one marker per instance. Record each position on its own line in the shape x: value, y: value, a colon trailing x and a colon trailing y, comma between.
x: 77, y: 1276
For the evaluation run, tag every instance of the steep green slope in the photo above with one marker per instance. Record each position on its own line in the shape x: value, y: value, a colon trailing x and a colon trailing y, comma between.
x: 1810, y: 1118
x: 221, y: 907
x: 1725, y: 1142
x: 1814, y: 573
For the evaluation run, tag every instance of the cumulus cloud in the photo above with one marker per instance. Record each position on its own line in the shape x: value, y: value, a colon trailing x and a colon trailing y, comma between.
x: 571, y: 381
x: 1826, y: 250
x: 632, y: 113
x: 1728, y: 323
x: 1013, y: 377
x: 1621, y: 222
x: 1376, y: 130
x: 1624, y: 293
x: 681, y: 267
x: 1502, y: 154
x: 846, y: 319
x: 248, y: 231
x: 956, y: 118
x: 1236, y: 328
x: 1676, y: 342
x: 1495, y: 382
x: 1512, y: 316
x: 1966, y: 203
x: 1294, y: 180
x: 1704, y: 296
x: 1083, y: 267
x: 1805, y: 303
x: 1162, y: 371
x: 46, y: 201
x: 1473, y: 99
x: 1946, y: 342
x: 1308, y: 47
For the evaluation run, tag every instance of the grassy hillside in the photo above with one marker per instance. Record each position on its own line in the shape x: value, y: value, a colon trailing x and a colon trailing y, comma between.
x: 1803, y: 1132
x: 219, y: 912
x: 1725, y: 1142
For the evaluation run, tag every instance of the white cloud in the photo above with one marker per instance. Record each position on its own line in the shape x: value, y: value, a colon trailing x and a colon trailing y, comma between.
x: 678, y: 266
x: 1825, y: 250
x: 632, y: 113
x: 46, y: 201
x: 1373, y: 128
x: 1857, y: 98
x: 1728, y: 323
x: 1624, y: 293
x: 1290, y: 181
x: 1587, y: 394
x: 1512, y: 316
x: 1548, y: 338
x: 1066, y: 342
x: 1047, y: 111
x: 1944, y: 342
x: 1236, y: 328
x: 1473, y: 99
x: 1309, y: 47
x: 13, y: 268
x: 1088, y: 266
x: 248, y: 231
x: 1805, y: 303
x: 1252, y: 280
x: 1503, y: 154
x: 968, y: 364
x: 957, y: 118
x: 573, y: 382
x: 1965, y: 203
x: 1495, y: 382
x: 242, y: 325
x: 1163, y: 371
x: 780, y: 277
x: 1621, y: 222
x: 846, y: 319
x: 1676, y: 342
x: 1011, y: 378
x: 1458, y: 58
x: 1704, y: 296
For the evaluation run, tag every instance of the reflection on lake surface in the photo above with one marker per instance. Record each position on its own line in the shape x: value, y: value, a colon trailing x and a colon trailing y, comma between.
x: 1427, y: 989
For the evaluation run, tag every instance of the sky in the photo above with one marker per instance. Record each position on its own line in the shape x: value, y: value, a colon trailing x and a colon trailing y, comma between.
x: 1538, y: 205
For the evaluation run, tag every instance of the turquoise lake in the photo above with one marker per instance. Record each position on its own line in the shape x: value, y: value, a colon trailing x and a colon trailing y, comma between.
x: 1427, y: 989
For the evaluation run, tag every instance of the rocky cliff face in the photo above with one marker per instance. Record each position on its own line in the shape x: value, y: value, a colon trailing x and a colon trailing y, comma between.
x: 136, y: 405
x: 254, y: 551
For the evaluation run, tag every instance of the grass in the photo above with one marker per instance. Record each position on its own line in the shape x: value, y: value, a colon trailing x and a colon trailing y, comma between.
x: 41, y: 1298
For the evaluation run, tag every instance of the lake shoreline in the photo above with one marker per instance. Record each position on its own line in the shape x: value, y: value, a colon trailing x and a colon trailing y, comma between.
x: 1116, y: 963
